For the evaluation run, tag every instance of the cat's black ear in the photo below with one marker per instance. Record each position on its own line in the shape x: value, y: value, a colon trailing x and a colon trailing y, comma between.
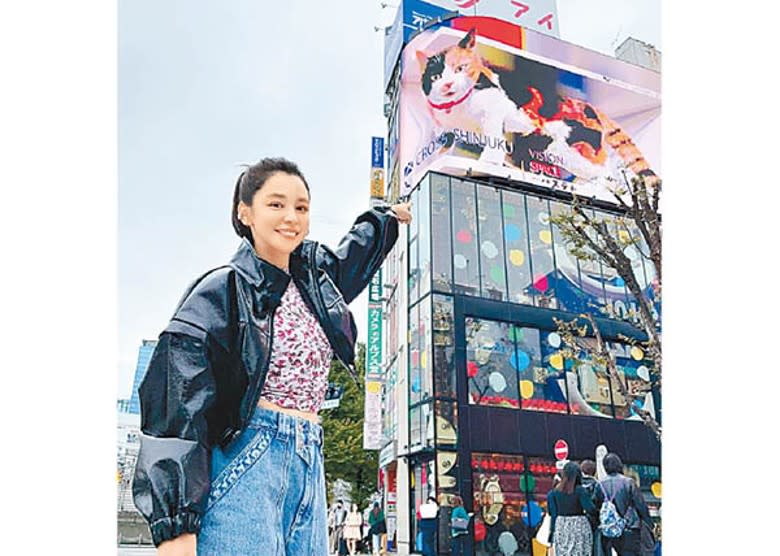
x: 469, y: 40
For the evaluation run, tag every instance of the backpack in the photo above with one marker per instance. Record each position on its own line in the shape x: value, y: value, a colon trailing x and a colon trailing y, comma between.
x: 611, y: 523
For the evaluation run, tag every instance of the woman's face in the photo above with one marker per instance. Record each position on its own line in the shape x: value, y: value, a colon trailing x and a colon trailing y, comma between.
x: 278, y: 217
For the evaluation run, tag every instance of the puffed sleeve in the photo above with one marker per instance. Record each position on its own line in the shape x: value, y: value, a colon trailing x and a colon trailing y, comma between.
x: 171, y: 481
x: 361, y: 252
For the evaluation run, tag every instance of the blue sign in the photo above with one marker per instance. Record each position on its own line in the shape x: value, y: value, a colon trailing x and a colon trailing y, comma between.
x: 377, y: 152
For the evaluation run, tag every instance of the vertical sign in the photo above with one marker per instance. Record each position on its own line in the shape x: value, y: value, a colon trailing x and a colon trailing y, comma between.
x: 374, y: 347
x: 377, y: 167
x: 372, y: 415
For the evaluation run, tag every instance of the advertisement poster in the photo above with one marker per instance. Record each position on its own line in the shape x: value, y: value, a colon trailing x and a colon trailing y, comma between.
x: 480, y: 96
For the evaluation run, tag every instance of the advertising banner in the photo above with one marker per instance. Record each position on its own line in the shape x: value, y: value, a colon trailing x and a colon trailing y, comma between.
x: 539, y: 15
x: 372, y: 423
x: 375, y: 288
x: 374, y: 346
x: 377, y: 167
x: 480, y: 96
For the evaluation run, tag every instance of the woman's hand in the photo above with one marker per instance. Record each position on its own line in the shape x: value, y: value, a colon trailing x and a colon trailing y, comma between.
x: 183, y: 545
x: 403, y: 212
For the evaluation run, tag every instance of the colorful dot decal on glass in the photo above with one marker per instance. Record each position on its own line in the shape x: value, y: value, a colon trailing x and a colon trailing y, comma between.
x: 416, y: 383
x: 515, y: 333
x: 516, y: 257
x: 556, y: 361
x: 540, y: 283
x: 520, y: 360
x: 511, y: 232
x: 655, y: 488
x: 545, y: 236
x: 637, y: 353
x: 415, y: 358
x: 527, y: 482
x: 624, y: 236
x: 424, y: 360
x: 489, y: 249
x: 497, y: 382
x: 464, y: 236
x: 497, y: 274
x: 472, y: 369
x: 531, y: 514
x: 460, y: 261
x: 643, y: 373
x: 568, y: 364
x: 543, y: 218
x: 526, y: 389
x: 373, y: 387
x: 619, y: 282
x: 554, y: 340
x: 509, y: 211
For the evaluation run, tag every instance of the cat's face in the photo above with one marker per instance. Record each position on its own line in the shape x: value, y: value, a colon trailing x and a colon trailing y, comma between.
x: 449, y: 75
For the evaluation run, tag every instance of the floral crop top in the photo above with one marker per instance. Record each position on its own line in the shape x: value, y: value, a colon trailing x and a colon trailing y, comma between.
x: 300, y: 357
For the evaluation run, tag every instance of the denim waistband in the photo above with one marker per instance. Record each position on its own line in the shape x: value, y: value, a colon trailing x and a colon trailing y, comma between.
x: 287, y: 425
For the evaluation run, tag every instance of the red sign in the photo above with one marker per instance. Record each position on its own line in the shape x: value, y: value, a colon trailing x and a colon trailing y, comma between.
x: 561, y: 449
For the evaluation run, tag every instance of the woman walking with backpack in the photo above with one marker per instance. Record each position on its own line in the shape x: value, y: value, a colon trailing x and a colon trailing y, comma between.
x: 568, y: 505
x: 623, y: 509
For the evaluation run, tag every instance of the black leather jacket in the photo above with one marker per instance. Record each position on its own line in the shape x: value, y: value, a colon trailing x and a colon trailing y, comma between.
x: 210, y: 363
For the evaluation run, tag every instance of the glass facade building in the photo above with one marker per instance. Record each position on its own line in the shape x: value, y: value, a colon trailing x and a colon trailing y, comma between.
x: 490, y: 388
x: 144, y: 356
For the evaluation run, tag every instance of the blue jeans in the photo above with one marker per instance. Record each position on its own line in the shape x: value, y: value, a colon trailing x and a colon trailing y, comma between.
x: 267, y: 491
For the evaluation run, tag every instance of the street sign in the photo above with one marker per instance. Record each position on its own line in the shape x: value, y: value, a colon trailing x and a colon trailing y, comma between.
x: 561, y: 449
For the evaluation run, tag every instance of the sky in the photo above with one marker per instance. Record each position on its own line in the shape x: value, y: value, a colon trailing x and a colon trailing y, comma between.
x: 204, y: 87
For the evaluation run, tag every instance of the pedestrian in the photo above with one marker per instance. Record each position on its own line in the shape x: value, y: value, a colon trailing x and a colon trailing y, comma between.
x: 591, y: 485
x: 630, y: 505
x: 339, y: 515
x: 230, y: 460
x: 353, y: 529
x: 569, y: 504
x: 429, y: 513
x: 378, y: 529
x: 459, y: 527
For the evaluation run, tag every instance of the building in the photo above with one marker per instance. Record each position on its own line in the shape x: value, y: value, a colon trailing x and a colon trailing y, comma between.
x: 144, y: 356
x: 478, y: 398
x: 639, y: 53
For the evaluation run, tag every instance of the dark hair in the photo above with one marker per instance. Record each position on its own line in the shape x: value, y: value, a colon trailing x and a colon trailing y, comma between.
x: 570, y: 478
x: 252, y: 180
x: 613, y: 464
x: 588, y: 467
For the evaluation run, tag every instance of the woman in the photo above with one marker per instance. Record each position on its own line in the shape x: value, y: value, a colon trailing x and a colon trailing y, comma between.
x: 353, y: 529
x: 459, y: 526
x: 376, y: 520
x: 568, y: 504
x: 231, y: 451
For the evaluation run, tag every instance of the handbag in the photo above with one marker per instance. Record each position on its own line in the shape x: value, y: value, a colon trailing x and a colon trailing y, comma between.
x: 543, y: 534
x: 460, y: 523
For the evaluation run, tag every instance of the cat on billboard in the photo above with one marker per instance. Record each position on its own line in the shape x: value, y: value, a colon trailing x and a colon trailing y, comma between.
x: 504, y: 114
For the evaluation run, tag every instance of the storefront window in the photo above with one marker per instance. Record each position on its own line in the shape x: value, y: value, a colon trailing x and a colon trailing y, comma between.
x: 589, y: 384
x: 424, y: 237
x: 441, y: 233
x: 464, y: 228
x: 426, y: 349
x: 415, y: 341
x: 592, y: 282
x: 516, y: 241
x: 492, y: 378
x: 555, y: 366
x: 414, y: 247
x: 567, y: 271
x: 444, y: 347
x: 447, y: 424
x: 500, y: 504
x: 491, y: 244
x: 542, y: 263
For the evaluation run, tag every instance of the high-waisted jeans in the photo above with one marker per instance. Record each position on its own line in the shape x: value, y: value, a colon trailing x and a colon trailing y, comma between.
x: 267, y: 491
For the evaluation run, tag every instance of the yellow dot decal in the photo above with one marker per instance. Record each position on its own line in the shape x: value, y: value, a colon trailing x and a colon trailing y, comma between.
x: 546, y: 236
x: 637, y: 353
x: 655, y: 488
x: 373, y: 387
x: 556, y: 361
x: 526, y: 389
x: 624, y: 236
x: 516, y: 257
x: 424, y: 359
